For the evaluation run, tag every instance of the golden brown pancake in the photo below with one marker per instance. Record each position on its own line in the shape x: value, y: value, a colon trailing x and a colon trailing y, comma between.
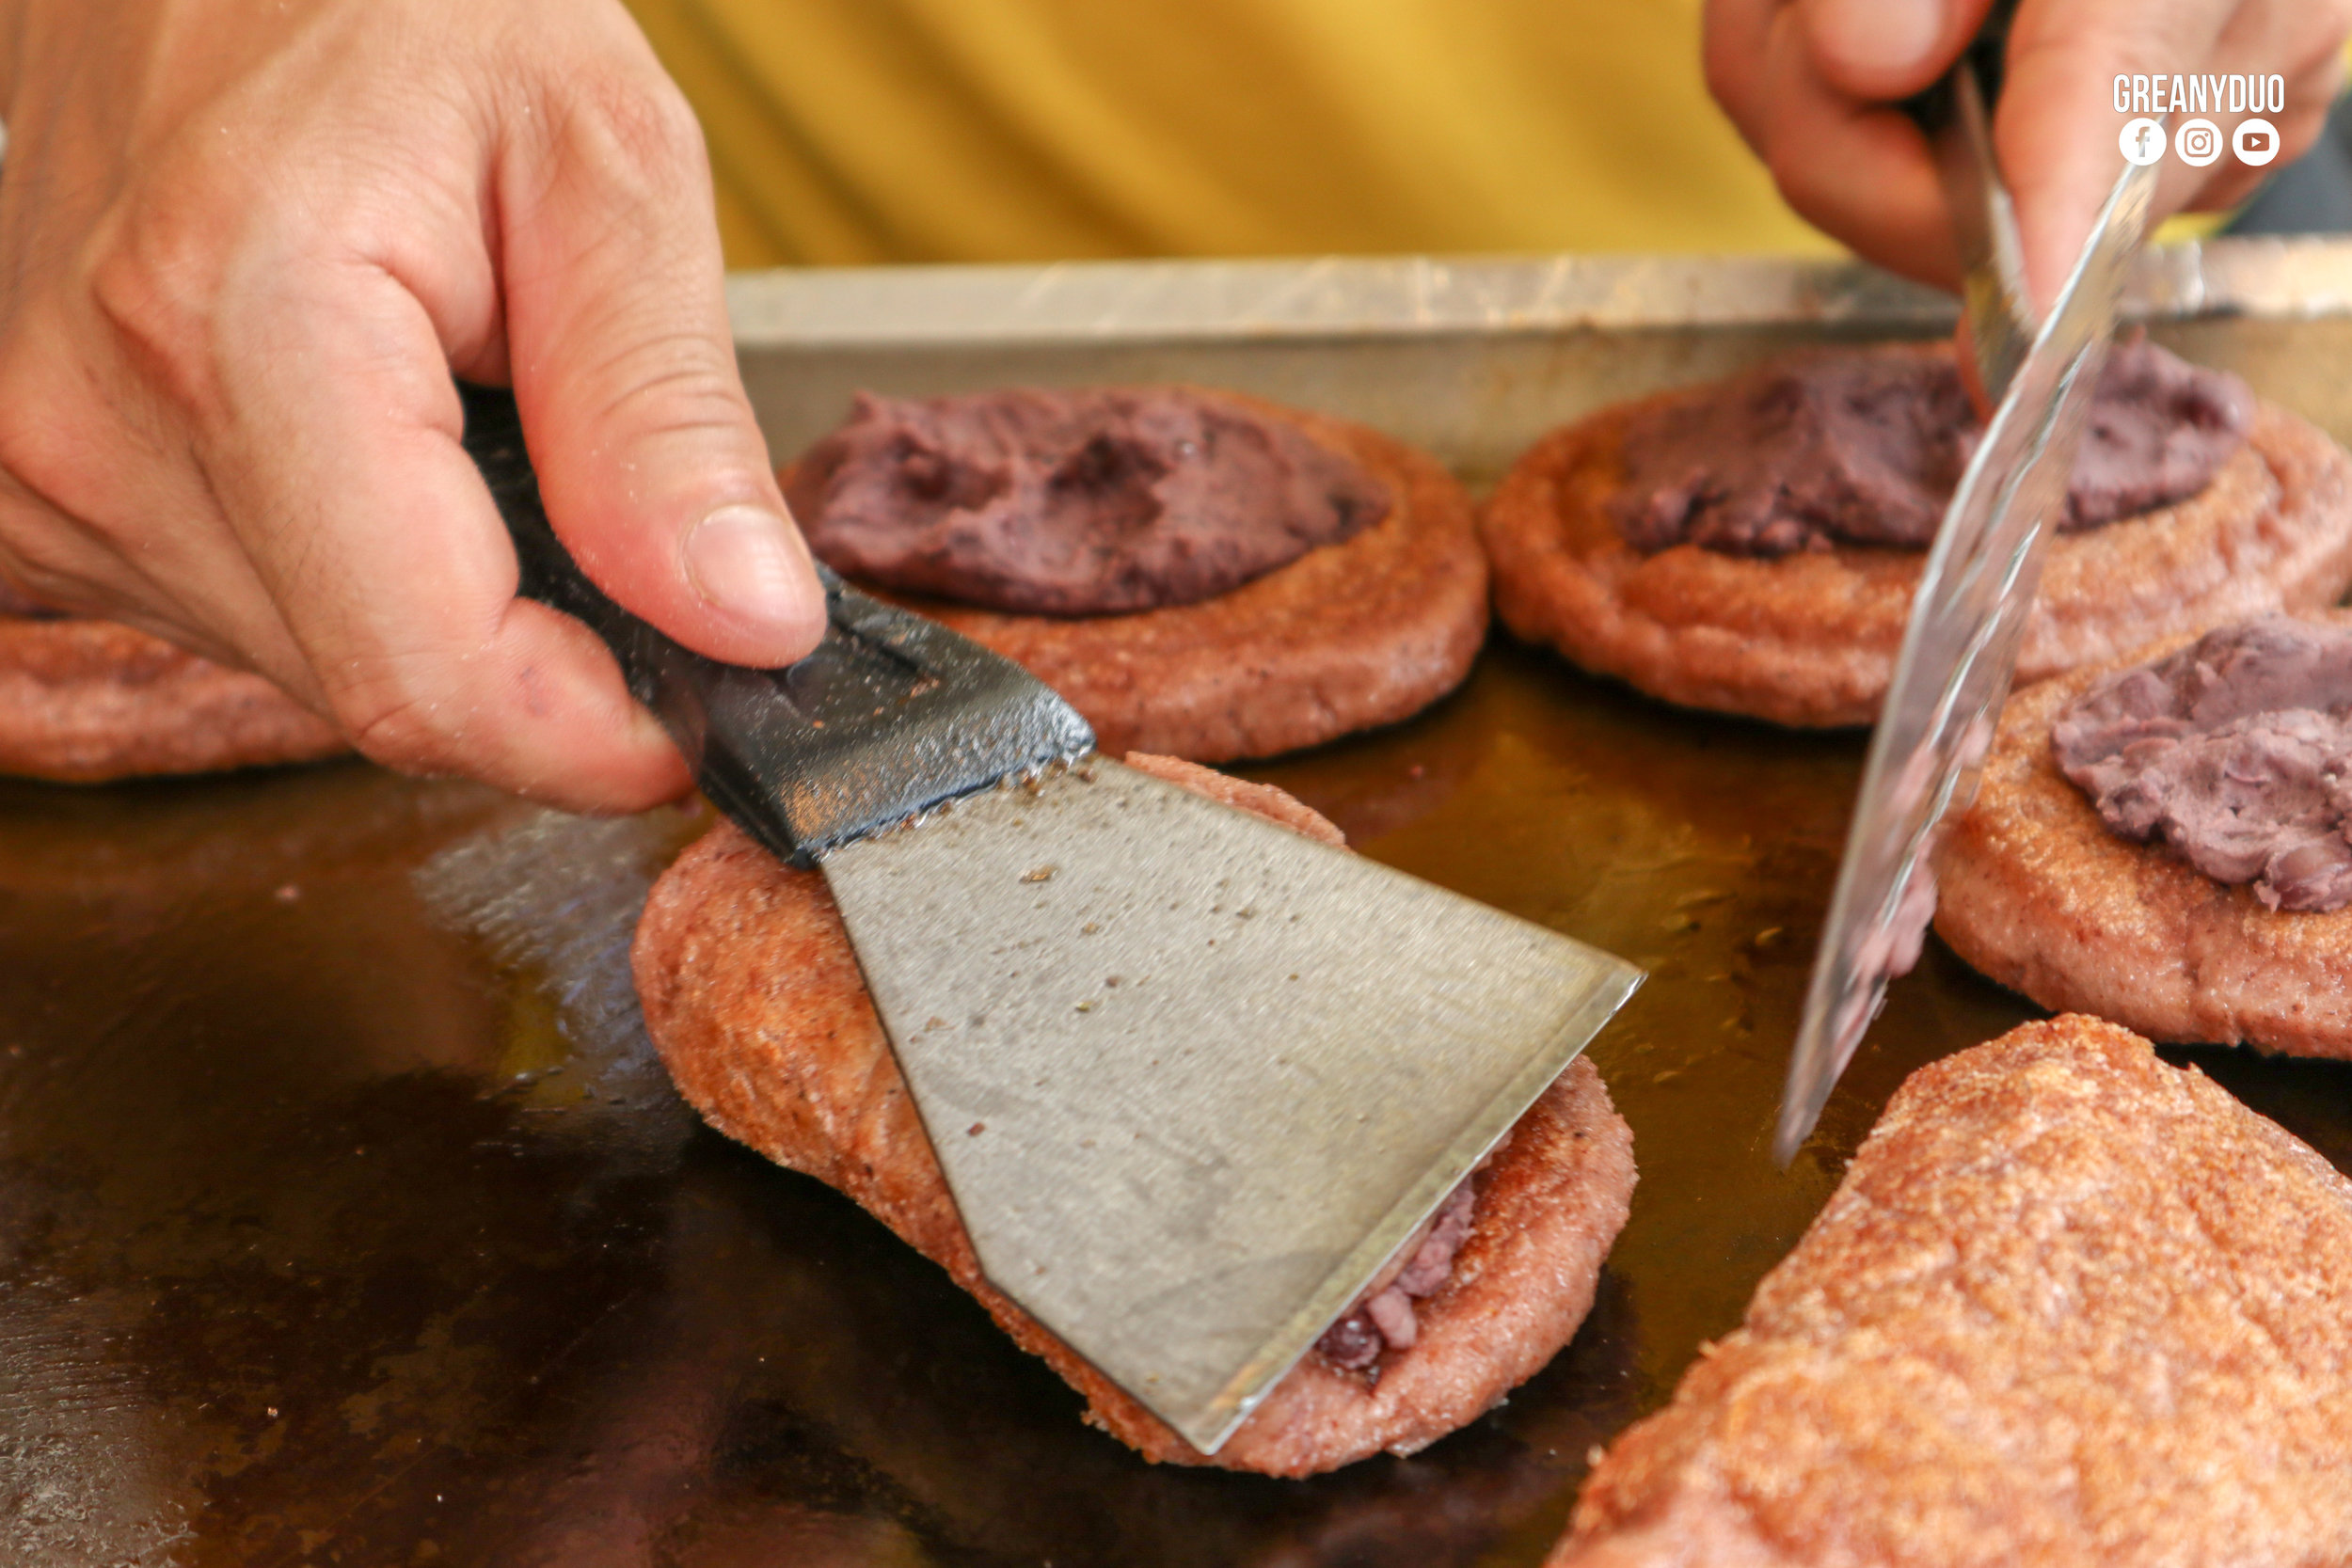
x: 2037, y: 893
x: 754, y: 997
x: 2070, y: 1306
x: 1345, y: 638
x: 87, y: 702
x: 1810, y: 638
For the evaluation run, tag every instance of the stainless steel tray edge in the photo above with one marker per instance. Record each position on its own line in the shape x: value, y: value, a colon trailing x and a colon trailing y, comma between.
x: 1470, y: 356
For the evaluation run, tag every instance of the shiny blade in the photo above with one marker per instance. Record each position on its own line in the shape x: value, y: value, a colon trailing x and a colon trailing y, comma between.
x: 1959, y: 653
x: 1194, y: 1078
x: 1984, y: 225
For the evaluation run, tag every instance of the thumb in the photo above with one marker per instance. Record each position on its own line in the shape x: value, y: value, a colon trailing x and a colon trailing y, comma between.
x: 2055, y: 130
x: 654, y: 471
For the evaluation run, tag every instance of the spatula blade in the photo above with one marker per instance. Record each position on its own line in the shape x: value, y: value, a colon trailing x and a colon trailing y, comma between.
x: 1194, y: 1078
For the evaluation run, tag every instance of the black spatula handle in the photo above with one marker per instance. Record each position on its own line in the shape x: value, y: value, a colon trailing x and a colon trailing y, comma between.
x: 892, y: 714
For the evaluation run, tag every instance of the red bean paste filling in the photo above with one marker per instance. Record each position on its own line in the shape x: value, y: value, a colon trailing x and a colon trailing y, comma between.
x: 2235, y: 752
x: 1862, y: 447
x: 1093, y: 503
x: 1383, y: 1318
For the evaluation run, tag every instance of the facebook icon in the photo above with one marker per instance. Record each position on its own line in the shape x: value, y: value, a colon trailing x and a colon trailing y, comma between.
x: 2142, y: 141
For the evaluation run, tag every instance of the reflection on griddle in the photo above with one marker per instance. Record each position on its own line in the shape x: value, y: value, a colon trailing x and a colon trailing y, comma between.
x: 805, y: 1369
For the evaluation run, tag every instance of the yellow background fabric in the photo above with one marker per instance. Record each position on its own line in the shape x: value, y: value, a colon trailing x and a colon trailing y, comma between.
x: 847, y: 131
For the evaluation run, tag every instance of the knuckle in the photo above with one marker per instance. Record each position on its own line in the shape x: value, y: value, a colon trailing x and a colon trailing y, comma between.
x: 153, y: 278
x: 671, y: 381
x: 617, y: 179
x: 637, y: 130
x: 394, y: 720
x: 663, y: 129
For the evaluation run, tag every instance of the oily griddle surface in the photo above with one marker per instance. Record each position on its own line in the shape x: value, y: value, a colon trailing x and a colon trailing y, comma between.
x: 344, y: 1216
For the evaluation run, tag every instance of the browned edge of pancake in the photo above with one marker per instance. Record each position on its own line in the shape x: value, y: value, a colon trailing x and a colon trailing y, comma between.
x: 1349, y: 637
x: 2037, y: 893
x: 1810, y: 638
x: 91, y: 702
x: 2069, y: 1307
x: 753, y: 998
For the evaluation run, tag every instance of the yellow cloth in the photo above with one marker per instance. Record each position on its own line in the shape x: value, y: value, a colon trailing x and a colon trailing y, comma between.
x: 863, y: 131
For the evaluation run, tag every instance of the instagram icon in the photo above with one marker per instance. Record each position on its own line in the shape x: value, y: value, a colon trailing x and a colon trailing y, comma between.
x: 2197, y: 142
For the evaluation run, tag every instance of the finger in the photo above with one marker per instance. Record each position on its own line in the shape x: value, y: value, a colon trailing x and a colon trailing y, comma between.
x: 1860, y: 170
x: 1878, y: 51
x: 340, y: 465
x: 654, y: 472
x: 1865, y: 175
x: 2053, y: 132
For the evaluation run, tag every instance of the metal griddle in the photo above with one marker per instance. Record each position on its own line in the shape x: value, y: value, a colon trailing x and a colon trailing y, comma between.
x: 346, y: 1218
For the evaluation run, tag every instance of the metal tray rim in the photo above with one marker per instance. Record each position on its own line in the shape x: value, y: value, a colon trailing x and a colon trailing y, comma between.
x: 1334, y: 297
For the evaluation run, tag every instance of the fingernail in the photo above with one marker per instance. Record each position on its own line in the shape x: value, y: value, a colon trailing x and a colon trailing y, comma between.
x: 747, y: 561
x: 1890, y: 37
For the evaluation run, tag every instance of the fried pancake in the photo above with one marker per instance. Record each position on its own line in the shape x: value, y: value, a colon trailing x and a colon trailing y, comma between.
x: 89, y: 701
x: 754, y: 997
x: 2069, y: 1307
x: 1810, y: 638
x: 1346, y: 638
x: 2036, y: 893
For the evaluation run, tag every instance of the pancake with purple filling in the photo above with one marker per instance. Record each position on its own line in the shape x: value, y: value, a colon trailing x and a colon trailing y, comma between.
x: 753, y: 995
x: 1752, y: 546
x: 2161, y: 841
x: 1202, y: 574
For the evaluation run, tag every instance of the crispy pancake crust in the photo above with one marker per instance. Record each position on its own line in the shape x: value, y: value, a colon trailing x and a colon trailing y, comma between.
x: 1346, y: 638
x: 2036, y: 893
x: 754, y: 997
x: 1810, y: 638
x: 89, y: 701
x: 2070, y: 1306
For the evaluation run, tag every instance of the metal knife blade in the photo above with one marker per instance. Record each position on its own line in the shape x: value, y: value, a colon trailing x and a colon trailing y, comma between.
x: 1960, y: 646
x: 1957, y: 117
x: 1193, y: 1078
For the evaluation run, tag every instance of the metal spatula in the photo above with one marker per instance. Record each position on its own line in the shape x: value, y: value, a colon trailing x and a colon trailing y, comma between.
x: 1194, y: 1078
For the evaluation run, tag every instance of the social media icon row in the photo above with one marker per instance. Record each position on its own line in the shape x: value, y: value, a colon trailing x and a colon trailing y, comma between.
x: 2198, y: 141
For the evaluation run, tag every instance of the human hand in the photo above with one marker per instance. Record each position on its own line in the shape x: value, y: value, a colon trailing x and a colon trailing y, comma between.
x: 1811, y: 84
x: 245, y: 244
